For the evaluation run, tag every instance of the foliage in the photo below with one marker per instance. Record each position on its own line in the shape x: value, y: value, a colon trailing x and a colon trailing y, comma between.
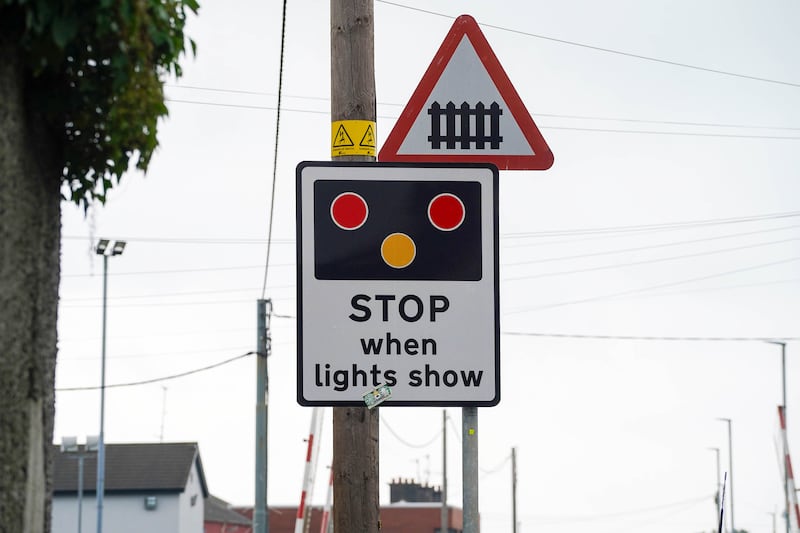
x: 95, y: 70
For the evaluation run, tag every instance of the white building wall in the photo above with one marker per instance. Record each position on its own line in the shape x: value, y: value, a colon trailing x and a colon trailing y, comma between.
x: 121, y: 514
x: 190, y: 504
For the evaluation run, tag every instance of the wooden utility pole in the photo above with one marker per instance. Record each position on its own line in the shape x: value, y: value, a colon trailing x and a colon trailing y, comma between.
x: 355, y: 429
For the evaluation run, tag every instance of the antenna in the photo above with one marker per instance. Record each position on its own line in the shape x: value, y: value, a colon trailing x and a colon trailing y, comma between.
x: 722, y: 502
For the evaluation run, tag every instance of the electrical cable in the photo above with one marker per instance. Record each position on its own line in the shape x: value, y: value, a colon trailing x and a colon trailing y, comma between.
x: 517, y: 235
x: 275, y: 156
x: 646, y: 338
x: 653, y: 227
x: 546, y: 115
x: 454, y: 428
x: 652, y: 287
x: 186, y: 240
x: 602, y: 49
x: 647, y: 261
x: 564, y: 519
x: 496, y: 469
x: 157, y: 380
x: 405, y: 442
x: 541, y: 126
x: 647, y: 247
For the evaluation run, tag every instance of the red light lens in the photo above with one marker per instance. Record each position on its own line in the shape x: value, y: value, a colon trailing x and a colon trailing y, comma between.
x: 349, y: 211
x: 446, y: 211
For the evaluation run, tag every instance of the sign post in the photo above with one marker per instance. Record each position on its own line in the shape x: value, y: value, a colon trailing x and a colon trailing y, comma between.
x: 465, y: 109
x: 397, y: 283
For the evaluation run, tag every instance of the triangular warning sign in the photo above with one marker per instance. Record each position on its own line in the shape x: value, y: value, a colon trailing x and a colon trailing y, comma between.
x: 466, y: 110
x: 368, y: 140
x: 342, y: 138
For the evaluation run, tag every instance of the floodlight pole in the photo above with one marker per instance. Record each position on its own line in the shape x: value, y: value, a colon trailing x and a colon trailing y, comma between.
x: 101, y: 442
x: 105, y: 248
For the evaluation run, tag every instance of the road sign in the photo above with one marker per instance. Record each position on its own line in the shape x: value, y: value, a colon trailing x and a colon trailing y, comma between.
x: 465, y: 109
x: 397, y: 283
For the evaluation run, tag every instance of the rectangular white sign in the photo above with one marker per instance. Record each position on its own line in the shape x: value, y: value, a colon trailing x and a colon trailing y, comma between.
x: 397, y: 283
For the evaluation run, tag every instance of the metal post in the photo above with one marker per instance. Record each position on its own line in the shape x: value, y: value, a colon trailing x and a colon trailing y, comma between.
x: 730, y: 468
x: 514, y: 490
x: 469, y: 437
x: 101, y: 440
x: 717, y: 494
x: 444, y: 527
x: 80, y: 493
x: 785, y: 470
x: 785, y: 420
x: 107, y: 249
x: 260, y: 509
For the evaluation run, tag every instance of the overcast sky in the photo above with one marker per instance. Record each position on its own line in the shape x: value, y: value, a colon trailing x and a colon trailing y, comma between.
x: 640, y: 275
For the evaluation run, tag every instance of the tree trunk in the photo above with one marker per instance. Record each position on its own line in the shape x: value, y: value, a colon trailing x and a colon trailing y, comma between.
x: 30, y: 229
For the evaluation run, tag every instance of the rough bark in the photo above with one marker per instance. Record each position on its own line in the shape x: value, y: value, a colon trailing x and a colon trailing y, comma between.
x: 30, y: 228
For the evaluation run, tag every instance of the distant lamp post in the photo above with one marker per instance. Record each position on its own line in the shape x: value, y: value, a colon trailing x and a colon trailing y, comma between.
x: 730, y: 469
x: 785, y: 418
x: 107, y: 248
x: 71, y: 448
x: 717, y: 493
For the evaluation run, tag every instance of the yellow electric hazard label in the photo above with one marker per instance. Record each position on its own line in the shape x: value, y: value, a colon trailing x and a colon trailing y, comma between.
x: 352, y: 137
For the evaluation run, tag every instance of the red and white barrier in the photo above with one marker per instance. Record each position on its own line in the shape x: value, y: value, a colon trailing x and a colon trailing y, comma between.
x: 326, y: 511
x: 310, y: 472
x: 794, y: 509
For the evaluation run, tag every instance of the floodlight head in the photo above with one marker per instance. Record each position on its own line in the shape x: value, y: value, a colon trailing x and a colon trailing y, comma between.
x: 69, y: 444
x: 118, y: 247
x: 92, y: 442
x: 102, y: 244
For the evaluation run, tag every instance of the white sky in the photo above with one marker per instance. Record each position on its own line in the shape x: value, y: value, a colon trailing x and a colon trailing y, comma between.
x: 612, y: 434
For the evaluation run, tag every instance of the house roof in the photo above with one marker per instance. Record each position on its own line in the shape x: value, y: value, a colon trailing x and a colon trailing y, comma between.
x: 151, y: 467
x: 220, y: 511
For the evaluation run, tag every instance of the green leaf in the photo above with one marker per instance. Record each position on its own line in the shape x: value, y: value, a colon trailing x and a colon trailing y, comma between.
x: 64, y: 30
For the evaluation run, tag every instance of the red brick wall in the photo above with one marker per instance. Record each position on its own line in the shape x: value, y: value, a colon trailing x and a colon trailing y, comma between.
x: 394, y: 519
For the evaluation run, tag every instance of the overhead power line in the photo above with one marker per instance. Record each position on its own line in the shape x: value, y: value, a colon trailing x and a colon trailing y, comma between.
x: 489, y: 471
x: 646, y: 337
x: 544, y: 115
x: 603, y: 49
x: 275, y: 155
x: 652, y: 287
x: 681, y: 224
x: 542, y: 126
x: 157, y: 380
x: 647, y: 247
x: 544, y: 519
x: 433, y: 439
x: 654, y: 227
x: 647, y: 261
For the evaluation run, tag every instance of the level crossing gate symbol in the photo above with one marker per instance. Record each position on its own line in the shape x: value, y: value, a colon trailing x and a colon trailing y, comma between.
x: 465, y: 125
x: 465, y: 109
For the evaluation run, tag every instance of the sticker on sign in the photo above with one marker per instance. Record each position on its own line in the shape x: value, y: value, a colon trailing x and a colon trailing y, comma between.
x: 397, y: 283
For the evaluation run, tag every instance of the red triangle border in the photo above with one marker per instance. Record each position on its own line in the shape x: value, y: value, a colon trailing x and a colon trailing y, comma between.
x: 466, y: 25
